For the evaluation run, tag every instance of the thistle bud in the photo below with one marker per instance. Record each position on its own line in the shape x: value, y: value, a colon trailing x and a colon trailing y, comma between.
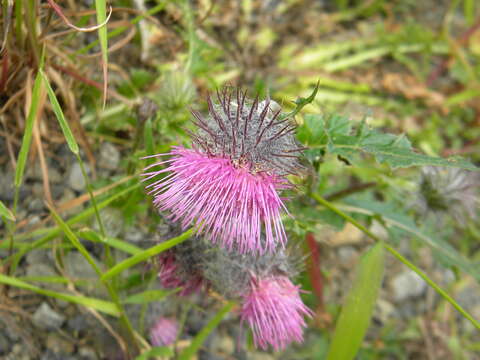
x: 451, y: 191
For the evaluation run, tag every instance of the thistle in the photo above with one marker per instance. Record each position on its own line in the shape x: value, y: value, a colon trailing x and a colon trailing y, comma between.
x: 181, y: 266
x: 449, y: 190
x: 228, y: 185
x: 275, y: 312
x: 271, y: 304
x: 164, y: 332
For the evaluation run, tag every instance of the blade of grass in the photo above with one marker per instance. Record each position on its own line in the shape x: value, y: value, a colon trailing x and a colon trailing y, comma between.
x: 18, y: 23
x: 101, y: 9
x: 121, y: 29
x: 402, y: 259
x: 6, y: 213
x: 93, y: 236
x: 111, y: 289
x: 149, y: 296
x: 199, y: 339
x: 72, y: 143
x: 98, y: 304
x: 51, y: 233
x: 27, y: 138
x: 156, y: 351
x: 74, y: 240
x: 358, y: 306
x: 146, y: 254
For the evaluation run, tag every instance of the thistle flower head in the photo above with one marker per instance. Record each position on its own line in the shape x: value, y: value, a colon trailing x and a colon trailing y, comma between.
x: 449, y: 190
x: 180, y: 267
x: 172, y: 275
x: 275, y: 312
x: 228, y: 185
x: 230, y: 274
x: 164, y: 332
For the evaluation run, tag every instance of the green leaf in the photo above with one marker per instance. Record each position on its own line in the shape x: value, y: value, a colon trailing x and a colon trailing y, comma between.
x: 47, y: 234
x: 357, y: 311
x: 146, y: 254
x: 148, y: 296
x: 101, y: 9
x: 57, y: 109
x: 397, y: 218
x: 6, y: 213
x: 156, y: 351
x: 124, y: 246
x: 73, y: 238
x: 301, y: 102
x: 334, y: 134
x: 97, y: 304
x: 27, y: 134
x: 190, y: 351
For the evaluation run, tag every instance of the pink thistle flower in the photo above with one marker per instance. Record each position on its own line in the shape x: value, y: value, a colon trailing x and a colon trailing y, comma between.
x: 275, y: 312
x: 172, y: 275
x: 228, y: 185
x: 164, y: 332
x: 227, y: 203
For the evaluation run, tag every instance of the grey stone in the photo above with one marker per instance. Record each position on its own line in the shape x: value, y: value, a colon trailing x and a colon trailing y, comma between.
x: 50, y: 355
x: 37, y: 256
x: 134, y: 235
x: 347, y: 254
x: 112, y: 220
x: 87, y: 353
x: 6, y: 185
x: 43, y: 269
x: 223, y: 344
x: 4, y: 344
x: 77, y: 267
x: 19, y: 352
x: 78, y: 323
x: 67, y: 196
x: 109, y: 156
x: 36, y: 205
x: 47, y: 318
x: 407, y: 285
x: 75, y: 177
x: 59, y: 345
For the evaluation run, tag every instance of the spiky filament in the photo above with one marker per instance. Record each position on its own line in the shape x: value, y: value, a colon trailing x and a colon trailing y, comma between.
x: 275, y: 312
x: 228, y: 203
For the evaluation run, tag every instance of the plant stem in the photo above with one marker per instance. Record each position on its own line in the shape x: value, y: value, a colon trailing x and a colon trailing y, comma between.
x: 108, y: 256
x: 400, y: 257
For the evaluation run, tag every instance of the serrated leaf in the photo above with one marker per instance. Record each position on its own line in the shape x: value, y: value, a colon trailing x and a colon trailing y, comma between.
x: 334, y: 134
x: 359, y: 304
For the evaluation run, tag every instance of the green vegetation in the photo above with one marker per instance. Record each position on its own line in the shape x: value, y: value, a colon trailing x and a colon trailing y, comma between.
x: 376, y: 99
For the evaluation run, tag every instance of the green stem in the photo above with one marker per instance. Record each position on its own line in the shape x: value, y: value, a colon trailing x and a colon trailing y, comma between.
x: 400, y: 257
x: 108, y: 255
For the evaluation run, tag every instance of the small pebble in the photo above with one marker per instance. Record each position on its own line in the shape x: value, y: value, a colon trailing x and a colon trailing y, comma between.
x: 47, y: 318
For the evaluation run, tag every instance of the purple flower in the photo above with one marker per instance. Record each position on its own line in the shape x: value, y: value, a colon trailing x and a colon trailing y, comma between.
x: 172, y: 275
x: 275, y: 312
x: 227, y: 203
x: 164, y: 332
x: 228, y: 185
